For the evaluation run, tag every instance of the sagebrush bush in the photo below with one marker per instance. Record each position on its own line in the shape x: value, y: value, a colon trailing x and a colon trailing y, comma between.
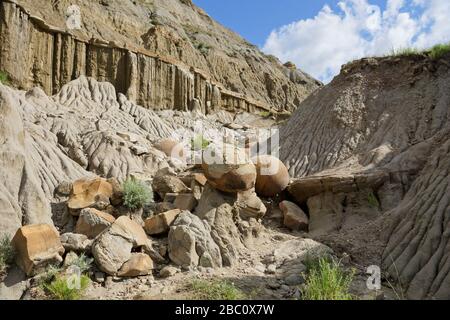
x: 216, y: 290
x: 7, y: 252
x: 326, y: 280
x: 64, y: 288
x: 136, y: 194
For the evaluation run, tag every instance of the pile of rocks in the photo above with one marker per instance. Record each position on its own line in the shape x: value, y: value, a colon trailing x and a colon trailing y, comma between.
x: 202, y: 217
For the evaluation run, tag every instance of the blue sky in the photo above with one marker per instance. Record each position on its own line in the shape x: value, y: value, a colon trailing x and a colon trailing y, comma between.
x: 321, y: 35
x: 255, y: 19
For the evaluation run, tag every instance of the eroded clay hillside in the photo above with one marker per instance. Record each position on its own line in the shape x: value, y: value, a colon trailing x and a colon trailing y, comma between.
x: 162, y: 54
x: 370, y: 152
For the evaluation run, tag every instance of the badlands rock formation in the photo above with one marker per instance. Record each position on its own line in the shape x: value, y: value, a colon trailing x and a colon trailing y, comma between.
x: 372, y: 148
x: 162, y: 54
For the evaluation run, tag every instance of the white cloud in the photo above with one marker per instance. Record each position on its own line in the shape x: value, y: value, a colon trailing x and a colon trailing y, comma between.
x: 357, y: 29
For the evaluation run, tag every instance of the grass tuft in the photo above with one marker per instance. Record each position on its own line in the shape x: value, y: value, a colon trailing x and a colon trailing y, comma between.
x: 405, y: 52
x: 136, y: 194
x: 439, y: 51
x: 67, y: 288
x: 325, y: 280
x: 216, y: 290
x: 4, y: 77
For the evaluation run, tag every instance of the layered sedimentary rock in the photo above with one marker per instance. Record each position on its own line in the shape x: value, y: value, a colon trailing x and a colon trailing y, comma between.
x: 373, y: 146
x: 159, y: 65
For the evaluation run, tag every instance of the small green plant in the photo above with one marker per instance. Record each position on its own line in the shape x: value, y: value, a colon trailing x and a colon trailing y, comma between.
x: 65, y: 288
x: 203, y: 48
x: 438, y: 51
x: 265, y: 114
x: 83, y: 263
x: 373, y: 201
x: 136, y: 194
x: 216, y: 290
x: 7, y: 252
x: 48, y: 276
x: 4, y: 77
x: 199, y: 143
x: 325, y: 280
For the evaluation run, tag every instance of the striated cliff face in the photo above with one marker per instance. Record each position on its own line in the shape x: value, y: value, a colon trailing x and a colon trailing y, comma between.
x: 160, y: 54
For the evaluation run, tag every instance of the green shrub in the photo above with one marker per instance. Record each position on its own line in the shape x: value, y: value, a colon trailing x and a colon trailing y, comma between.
x: 48, y: 276
x: 265, y: 114
x: 4, y: 77
x: 136, y: 194
x: 203, y: 48
x: 199, y: 143
x: 325, y: 280
x: 216, y: 290
x: 63, y: 288
x: 7, y: 252
x: 439, y: 51
x: 83, y: 263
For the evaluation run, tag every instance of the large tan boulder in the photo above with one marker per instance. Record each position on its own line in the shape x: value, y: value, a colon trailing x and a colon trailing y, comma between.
x: 272, y: 176
x: 191, y: 243
x: 140, y: 264
x: 37, y: 246
x: 86, y: 192
x: 113, y: 247
x: 161, y: 223
x: 128, y: 229
x: 294, y: 217
x: 92, y: 222
x: 229, y: 169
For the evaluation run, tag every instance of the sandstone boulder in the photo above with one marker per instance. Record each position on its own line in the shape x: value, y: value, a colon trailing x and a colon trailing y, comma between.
x: 92, y: 222
x: 140, y: 264
x: 161, y: 223
x: 37, y: 246
x: 191, y: 244
x: 130, y: 230
x: 86, y: 192
x: 164, y: 182
x: 113, y: 247
x: 111, y: 252
x: 76, y: 242
x: 228, y: 168
x: 294, y: 217
x: 250, y: 206
x: 168, y: 271
x: 272, y: 176
x: 185, y: 201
